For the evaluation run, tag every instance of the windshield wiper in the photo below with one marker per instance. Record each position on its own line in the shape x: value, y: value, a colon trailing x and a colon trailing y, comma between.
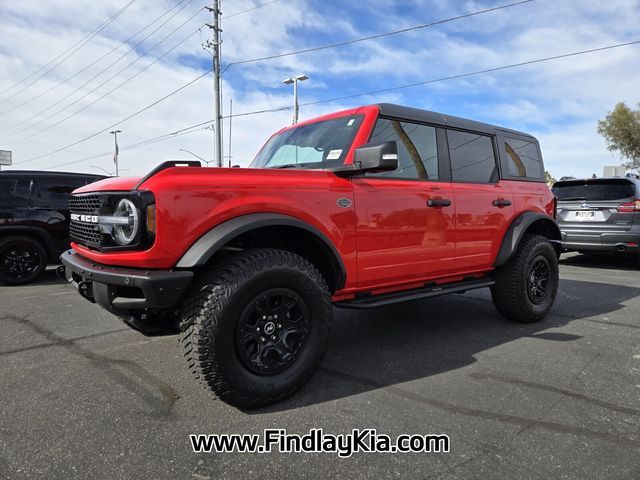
x: 288, y: 165
x: 573, y: 198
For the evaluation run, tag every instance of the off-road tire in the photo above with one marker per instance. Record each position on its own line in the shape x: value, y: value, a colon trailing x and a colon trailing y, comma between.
x: 22, y: 244
x: 510, y: 292
x: 212, y: 312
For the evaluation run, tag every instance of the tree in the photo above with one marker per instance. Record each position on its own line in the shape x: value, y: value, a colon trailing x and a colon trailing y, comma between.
x: 621, y: 130
x: 549, y: 178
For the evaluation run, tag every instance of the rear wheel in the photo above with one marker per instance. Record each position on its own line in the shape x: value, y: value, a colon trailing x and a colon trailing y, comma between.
x: 526, y: 287
x: 256, y: 326
x: 22, y: 259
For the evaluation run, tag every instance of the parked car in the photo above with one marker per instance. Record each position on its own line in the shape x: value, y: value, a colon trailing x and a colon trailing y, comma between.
x: 34, y: 220
x: 358, y: 209
x: 599, y: 214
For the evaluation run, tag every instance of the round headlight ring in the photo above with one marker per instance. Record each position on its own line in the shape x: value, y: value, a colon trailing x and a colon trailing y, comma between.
x: 126, y: 234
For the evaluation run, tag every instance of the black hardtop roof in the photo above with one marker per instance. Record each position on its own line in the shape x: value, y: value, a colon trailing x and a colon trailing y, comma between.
x: 42, y: 173
x: 426, y: 116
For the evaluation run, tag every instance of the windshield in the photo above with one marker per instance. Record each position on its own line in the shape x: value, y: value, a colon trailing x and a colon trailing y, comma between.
x: 593, y: 190
x: 316, y: 145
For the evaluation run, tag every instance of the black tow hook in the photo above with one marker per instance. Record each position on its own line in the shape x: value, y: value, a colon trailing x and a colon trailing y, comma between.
x: 86, y: 290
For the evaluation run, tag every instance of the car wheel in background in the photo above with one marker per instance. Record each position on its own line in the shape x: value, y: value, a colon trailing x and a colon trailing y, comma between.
x: 22, y: 259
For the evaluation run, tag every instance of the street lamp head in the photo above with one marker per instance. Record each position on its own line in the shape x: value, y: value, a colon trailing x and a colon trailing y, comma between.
x: 288, y: 81
x: 115, y: 131
x: 302, y: 77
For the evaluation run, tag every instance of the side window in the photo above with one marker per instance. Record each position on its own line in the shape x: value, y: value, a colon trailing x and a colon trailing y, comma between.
x: 472, y: 157
x: 14, y: 192
x: 522, y: 158
x: 55, y: 191
x: 417, y: 149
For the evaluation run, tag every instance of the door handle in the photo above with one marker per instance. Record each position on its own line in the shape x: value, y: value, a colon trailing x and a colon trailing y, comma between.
x: 438, y: 202
x: 501, y: 202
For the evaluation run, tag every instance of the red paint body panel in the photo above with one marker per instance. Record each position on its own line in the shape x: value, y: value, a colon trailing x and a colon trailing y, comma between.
x: 400, y: 239
x: 388, y: 239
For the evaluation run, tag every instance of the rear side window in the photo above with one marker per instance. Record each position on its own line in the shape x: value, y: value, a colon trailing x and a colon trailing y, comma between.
x: 523, y: 159
x: 55, y: 191
x: 417, y: 149
x: 472, y: 157
x: 14, y: 192
x: 594, y: 190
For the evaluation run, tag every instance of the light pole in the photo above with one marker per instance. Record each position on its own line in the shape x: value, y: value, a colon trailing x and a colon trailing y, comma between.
x: 295, y: 80
x: 197, y: 156
x: 117, y: 150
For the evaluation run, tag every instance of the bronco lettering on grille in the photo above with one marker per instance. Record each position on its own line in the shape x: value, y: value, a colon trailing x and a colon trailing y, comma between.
x: 84, y: 218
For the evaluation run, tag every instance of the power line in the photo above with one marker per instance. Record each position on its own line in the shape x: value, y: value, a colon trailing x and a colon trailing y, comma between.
x: 442, y: 79
x: 73, y: 49
x: 126, y: 67
x: 105, y: 82
x: 371, y: 92
x: 380, y: 35
x: 120, y: 121
x: 66, y: 80
x: 250, y: 9
x: 143, y: 143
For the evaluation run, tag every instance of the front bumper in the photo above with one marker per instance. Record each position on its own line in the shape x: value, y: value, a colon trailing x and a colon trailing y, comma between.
x: 600, y: 241
x: 123, y: 289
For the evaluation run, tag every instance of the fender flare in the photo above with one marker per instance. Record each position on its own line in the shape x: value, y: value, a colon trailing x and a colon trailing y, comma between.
x: 519, y: 227
x: 208, y: 244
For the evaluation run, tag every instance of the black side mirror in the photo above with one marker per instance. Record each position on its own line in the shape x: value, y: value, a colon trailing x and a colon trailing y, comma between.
x: 376, y: 158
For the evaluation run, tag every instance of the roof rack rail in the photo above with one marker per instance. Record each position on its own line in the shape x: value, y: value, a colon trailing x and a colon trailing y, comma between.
x: 164, y: 166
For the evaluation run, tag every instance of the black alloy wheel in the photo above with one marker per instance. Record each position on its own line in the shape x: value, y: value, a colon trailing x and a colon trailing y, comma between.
x: 21, y: 260
x: 272, y: 331
x: 538, y: 279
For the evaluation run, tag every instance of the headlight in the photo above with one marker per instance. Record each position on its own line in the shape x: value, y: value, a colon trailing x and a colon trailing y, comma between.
x: 124, y: 231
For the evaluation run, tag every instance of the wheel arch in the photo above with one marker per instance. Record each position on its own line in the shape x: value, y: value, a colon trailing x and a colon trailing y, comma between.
x: 272, y: 230
x: 527, y: 222
x: 37, y: 234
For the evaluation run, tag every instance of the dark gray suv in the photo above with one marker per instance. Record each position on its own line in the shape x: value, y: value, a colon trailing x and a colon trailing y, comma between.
x: 599, y: 214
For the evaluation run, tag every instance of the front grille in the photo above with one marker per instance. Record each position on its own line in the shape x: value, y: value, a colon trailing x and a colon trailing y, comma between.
x: 87, y: 204
x: 86, y: 234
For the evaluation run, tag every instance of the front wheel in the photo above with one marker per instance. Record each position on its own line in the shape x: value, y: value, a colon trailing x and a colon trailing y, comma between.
x: 256, y: 326
x: 526, y: 287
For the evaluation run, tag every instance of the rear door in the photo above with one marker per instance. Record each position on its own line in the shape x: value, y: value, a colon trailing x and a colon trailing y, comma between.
x: 14, y: 199
x: 484, y: 203
x: 406, y: 229
x: 589, y: 207
x: 50, y: 205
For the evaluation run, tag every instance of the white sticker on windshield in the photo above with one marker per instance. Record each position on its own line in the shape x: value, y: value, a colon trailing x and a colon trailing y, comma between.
x: 351, y: 122
x: 334, y: 154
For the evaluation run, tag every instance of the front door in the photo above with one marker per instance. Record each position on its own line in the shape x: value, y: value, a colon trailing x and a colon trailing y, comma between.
x: 406, y: 217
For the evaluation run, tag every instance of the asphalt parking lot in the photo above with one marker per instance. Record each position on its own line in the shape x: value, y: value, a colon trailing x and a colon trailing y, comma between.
x: 82, y: 396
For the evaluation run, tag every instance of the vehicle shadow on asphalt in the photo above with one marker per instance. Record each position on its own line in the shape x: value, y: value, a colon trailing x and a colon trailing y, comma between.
x: 388, y: 346
x: 48, y: 277
x: 602, y: 260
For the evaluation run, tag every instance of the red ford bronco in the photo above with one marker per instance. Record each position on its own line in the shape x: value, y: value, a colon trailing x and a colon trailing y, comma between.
x: 357, y: 209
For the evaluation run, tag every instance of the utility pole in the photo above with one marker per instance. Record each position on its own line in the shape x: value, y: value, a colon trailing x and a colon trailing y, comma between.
x: 116, y: 150
x: 214, y: 48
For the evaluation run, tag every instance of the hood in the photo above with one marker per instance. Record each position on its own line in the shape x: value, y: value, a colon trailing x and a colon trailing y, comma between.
x: 113, y: 184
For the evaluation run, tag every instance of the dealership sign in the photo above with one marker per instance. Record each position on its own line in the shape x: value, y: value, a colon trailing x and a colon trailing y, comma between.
x: 5, y: 157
